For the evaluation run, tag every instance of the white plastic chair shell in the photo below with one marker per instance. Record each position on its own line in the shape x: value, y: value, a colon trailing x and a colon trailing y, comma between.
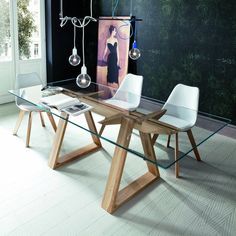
x: 182, y: 107
x: 128, y: 95
x: 24, y: 81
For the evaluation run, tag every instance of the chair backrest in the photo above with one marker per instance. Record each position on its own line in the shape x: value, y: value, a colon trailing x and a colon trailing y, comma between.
x: 24, y: 81
x: 183, y: 103
x: 27, y: 80
x: 130, y: 90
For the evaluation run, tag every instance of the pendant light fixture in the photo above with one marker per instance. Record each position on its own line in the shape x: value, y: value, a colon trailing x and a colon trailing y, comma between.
x: 74, y: 59
x: 134, y: 53
x: 83, y: 80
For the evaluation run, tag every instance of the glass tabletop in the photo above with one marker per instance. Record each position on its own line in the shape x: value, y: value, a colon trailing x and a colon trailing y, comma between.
x: 111, y: 105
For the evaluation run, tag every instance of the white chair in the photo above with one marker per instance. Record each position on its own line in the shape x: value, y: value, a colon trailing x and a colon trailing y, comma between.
x: 23, y: 81
x: 182, y: 109
x: 128, y: 95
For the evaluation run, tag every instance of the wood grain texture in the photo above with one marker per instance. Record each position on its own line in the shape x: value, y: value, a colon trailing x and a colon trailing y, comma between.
x: 134, y: 188
x: 117, y: 166
x: 92, y: 128
x: 81, y: 152
x: 55, y: 160
x: 52, y: 121
x: 59, y: 136
x: 149, y: 153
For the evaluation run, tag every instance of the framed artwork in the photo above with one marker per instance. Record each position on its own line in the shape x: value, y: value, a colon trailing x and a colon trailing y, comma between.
x: 113, y: 48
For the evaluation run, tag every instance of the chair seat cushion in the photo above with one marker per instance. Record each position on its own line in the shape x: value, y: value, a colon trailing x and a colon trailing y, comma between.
x: 181, y: 124
x: 29, y: 107
x: 122, y: 104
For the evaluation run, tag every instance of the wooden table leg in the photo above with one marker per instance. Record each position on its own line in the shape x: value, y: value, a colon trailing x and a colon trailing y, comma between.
x: 92, y: 127
x: 154, y: 138
x: 54, y: 159
x: 59, y: 136
x: 168, y: 141
x: 149, y: 153
x: 113, y: 198
x: 52, y: 121
x: 117, y: 165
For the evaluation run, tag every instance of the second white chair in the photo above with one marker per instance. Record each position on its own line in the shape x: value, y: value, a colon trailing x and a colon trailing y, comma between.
x: 182, y: 110
x: 128, y: 95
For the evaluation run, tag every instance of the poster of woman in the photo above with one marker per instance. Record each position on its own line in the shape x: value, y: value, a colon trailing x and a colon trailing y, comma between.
x: 113, y: 47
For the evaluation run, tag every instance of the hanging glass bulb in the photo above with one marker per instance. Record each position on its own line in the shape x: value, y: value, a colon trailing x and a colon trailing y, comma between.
x: 74, y: 59
x: 83, y: 80
x: 134, y: 53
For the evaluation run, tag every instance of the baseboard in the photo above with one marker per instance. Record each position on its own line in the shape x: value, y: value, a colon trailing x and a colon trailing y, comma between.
x: 6, y: 98
x: 229, y: 131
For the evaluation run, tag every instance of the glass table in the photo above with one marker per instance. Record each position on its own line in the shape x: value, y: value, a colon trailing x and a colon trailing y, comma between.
x: 144, y: 122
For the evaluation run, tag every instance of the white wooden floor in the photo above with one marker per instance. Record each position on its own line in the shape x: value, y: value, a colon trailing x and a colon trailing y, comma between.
x: 35, y: 200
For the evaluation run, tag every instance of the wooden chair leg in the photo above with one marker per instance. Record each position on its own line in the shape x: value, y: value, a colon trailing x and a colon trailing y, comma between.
x: 29, y: 129
x: 193, y: 143
x: 41, y: 118
x: 176, y: 156
x: 168, y: 141
x: 52, y: 121
x: 18, y: 122
x: 154, y: 138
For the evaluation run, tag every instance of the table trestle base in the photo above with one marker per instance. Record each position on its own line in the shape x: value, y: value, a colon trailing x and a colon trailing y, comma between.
x: 55, y: 160
x: 113, y: 197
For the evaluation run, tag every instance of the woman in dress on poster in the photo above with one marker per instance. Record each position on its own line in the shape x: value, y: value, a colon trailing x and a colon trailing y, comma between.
x: 112, y: 46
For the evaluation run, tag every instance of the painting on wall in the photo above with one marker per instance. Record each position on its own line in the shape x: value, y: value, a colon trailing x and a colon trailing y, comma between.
x: 113, y: 48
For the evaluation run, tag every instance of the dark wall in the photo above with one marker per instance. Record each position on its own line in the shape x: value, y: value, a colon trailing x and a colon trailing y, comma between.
x: 185, y: 41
